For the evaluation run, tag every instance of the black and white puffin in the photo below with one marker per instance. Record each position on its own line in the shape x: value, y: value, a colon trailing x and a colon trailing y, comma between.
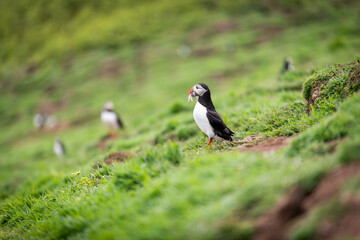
x: 206, y: 117
x: 39, y: 120
x: 111, y: 118
x: 287, y: 65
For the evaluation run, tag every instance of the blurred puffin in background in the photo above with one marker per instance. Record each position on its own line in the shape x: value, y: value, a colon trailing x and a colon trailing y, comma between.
x: 59, y: 148
x: 206, y: 117
x: 111, y: 118
x: 39, y: 120
x: 288, y: 65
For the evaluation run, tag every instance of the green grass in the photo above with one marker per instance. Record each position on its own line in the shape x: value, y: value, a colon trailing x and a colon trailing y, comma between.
x: 175, y: 188
x: 340, y: 125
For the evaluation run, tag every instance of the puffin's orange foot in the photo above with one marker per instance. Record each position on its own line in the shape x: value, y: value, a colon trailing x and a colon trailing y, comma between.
x: 209, y: 142
x: 113, y: 135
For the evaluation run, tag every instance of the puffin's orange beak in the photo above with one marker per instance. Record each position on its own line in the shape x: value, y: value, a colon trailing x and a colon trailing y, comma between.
x: 191, y: 90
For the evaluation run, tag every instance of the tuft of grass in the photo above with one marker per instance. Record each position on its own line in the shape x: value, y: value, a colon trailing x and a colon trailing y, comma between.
x: 230, y: 230
x: 177, y: 107
x: 341, y: 124
x: 129, y: 180
x: 349, y: 151
x: 312, y: 178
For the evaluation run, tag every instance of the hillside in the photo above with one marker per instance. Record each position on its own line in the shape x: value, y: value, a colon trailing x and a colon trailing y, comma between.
x: 292, y: 171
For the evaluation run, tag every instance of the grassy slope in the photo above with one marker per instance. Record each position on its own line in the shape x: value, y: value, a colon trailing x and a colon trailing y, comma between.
x: 169, y: 186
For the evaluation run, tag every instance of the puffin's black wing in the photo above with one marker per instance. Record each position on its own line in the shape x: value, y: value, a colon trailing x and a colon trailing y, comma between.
x: 119, y: 122
x: 219, y: 126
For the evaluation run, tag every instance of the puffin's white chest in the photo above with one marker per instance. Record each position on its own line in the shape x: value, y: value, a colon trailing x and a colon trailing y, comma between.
x: 202, y: 121
x: 110, y: 119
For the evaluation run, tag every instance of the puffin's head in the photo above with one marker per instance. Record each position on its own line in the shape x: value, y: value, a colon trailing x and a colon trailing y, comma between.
x: 109, y: 106
x: 198, y: 90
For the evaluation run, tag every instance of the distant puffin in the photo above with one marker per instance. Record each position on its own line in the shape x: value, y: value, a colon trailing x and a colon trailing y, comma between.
x: 52, y: 121
x: 288, y: 65
x: 59, y: 148
x: 110, y: 118
x: 39, y: 120
x: 206, y: 117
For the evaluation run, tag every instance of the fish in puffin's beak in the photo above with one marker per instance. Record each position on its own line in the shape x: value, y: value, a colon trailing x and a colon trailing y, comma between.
x: 192, y: 94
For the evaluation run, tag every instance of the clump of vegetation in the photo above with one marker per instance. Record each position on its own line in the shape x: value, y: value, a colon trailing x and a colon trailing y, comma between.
x: 312, y: 178
x: 129, y: 180
x: 349, y: 151
x: 186, y: 132
x: 169, y: 152
x: 343, y: 123
x: 177, y: 107
x: 336, y: 82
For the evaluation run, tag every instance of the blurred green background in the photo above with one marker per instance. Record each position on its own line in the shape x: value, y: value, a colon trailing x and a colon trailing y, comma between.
x: 69, y: 57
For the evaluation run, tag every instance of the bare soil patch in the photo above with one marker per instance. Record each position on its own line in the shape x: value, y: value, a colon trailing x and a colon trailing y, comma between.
x: 110, y: 68
x: 215, y: 29
x: 225, y: 26
x: 115, y: 157
x: 203, y: 52
x: 226, y: 74
x: 104, y: 140
x: 298, y: 202
x: 260, y: 144
x: 267, y: 33
x: 51, y: 107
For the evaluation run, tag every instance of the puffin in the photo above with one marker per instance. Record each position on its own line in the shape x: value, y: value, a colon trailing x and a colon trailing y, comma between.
x: 59, y: 148
x: 52, y: 121
x: 206, y: 117
x: 287, y: 65
x: 111, y: 118
x: 39, y: 120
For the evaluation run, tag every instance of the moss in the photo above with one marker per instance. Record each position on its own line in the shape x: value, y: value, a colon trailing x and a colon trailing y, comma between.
x: 337, y: 81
